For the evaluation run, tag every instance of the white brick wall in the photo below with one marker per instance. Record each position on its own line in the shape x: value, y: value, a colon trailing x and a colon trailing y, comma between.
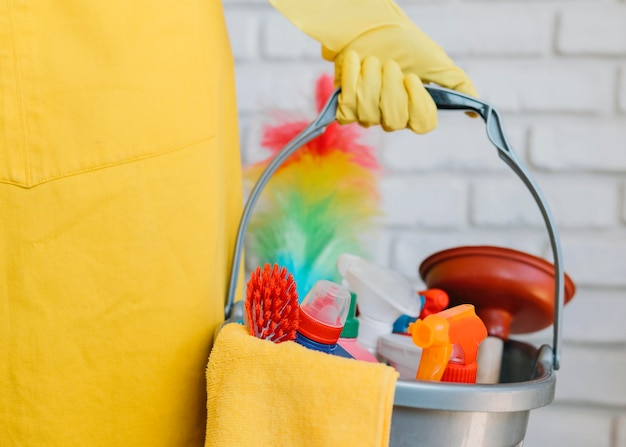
x: 528, y: 27
x: 556, y: 70
x: 580, y: 145
x: 583, y: 322
x: 589, y: 30
x: 546, y: 86
x: 563, y: 426
x: 435, y: 202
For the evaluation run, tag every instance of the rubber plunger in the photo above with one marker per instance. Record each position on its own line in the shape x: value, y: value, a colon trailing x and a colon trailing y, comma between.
x: 512, y: 291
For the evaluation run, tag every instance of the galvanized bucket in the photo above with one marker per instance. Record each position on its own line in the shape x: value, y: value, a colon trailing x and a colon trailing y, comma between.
x: 449, y: 414
x: 437, y: 414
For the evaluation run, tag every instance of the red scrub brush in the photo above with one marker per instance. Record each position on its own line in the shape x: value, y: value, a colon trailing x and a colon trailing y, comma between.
x: 272, y: 310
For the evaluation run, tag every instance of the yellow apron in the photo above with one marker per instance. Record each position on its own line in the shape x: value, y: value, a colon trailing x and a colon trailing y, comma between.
x: 119, y: 198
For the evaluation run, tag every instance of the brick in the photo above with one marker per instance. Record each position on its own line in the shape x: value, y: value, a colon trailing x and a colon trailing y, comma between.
x: 428, y: 202
x: 458, y: 143
x: 243, y: 31
x: 592, y: 30
x: 595, y: 259
x: 265, y: 87
x: 282, y: 40
x: 573, y: 427
x: 503, y: 202
x: 545, y: 86
x: 409, y: 249
x: 582, y: 145
x: 592, y: 375
x: 584, y: 203
x: 595, y: 316
x: 514, y: 29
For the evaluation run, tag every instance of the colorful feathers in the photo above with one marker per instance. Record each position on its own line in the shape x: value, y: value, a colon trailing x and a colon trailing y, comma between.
x: 319, y: 204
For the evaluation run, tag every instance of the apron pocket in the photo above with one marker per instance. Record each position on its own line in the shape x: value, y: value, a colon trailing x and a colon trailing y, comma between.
x: 93, y: 85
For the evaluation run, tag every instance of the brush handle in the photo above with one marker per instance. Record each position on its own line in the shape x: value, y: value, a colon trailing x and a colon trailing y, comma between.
x: 489, y: 360
x: 445, y: 99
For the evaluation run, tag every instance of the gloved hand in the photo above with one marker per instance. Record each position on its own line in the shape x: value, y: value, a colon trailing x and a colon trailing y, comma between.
x: 381, y: 60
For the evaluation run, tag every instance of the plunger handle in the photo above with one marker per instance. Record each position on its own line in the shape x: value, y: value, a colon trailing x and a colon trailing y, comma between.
x: 498, y: 323
x: 490, y: 360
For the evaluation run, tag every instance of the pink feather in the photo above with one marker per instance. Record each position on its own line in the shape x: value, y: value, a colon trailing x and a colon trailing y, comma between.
x: 342, y: 138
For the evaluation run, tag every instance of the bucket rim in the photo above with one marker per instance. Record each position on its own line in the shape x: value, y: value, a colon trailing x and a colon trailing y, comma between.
x: 501, y: 397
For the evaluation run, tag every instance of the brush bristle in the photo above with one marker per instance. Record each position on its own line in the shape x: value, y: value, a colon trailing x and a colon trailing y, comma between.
x: 272, y: 304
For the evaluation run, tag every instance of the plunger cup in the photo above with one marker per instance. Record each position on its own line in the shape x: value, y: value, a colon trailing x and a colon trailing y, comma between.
x: 512, y: 291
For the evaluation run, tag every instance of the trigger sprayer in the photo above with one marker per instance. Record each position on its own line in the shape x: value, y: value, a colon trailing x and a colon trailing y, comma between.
x: 449, y: 342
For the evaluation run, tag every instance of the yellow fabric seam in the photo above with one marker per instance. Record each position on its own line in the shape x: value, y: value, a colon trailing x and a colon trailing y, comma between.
x: 19, y: 93
x: 106, y: 165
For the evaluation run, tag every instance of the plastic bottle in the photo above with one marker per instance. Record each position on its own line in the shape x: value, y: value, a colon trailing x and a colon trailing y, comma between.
x: 348, y: 337
x: 323, y: 313
x: 383, y: 295
x: 449, y: 342
x: 399, y: 351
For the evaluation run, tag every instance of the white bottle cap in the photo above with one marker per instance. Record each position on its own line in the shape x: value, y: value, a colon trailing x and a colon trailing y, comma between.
x: 382, y: 294
x: 401, y: 353
x: 370, y: 330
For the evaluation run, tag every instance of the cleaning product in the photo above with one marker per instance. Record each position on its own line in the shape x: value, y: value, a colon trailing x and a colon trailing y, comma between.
x: 399, y: 351
x: 432, y: 300
x: 348, y: 336
x: 383, y: 295
x: 449, y: 342
x: 271, y: 307
x: 323, y: 313
x: 432, y: 335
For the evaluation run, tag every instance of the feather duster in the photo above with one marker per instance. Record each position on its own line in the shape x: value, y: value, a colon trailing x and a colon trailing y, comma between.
x: 319, y: 204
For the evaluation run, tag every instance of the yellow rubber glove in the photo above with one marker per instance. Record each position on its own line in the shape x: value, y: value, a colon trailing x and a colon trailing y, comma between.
x: 381, y: 60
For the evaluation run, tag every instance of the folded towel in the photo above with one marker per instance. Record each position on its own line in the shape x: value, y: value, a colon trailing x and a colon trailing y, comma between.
x: 266, y: 394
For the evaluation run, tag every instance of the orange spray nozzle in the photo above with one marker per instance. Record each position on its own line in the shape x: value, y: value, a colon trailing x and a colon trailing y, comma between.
x: 449, y: 342
x: 432, y: 335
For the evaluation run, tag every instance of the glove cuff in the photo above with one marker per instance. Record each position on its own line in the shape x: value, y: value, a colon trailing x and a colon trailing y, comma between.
x: 336, y: 23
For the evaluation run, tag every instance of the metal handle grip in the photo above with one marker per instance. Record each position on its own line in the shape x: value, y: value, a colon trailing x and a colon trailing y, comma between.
x: 445, y: 100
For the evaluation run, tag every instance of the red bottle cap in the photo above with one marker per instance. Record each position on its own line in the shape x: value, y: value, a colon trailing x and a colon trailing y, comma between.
x: 318, y: 331
x: 456, y: 372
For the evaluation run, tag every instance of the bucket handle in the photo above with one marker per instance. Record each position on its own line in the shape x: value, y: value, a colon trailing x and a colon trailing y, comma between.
x: 445, y: 99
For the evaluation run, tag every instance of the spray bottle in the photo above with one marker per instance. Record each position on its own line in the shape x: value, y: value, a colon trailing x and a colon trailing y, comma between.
x: 449, y: 342
x: 348, y: 337
x: 397, y: 349
x: 383, y: 295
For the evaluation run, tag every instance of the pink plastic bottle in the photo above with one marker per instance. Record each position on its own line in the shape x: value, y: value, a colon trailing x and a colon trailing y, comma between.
x: 349, y: 333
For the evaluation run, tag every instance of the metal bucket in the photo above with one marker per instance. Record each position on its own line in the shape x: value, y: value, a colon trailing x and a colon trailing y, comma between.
x: 449, y: 414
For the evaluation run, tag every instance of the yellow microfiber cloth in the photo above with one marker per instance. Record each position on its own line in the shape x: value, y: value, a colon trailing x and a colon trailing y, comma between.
x: 266, y: 394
